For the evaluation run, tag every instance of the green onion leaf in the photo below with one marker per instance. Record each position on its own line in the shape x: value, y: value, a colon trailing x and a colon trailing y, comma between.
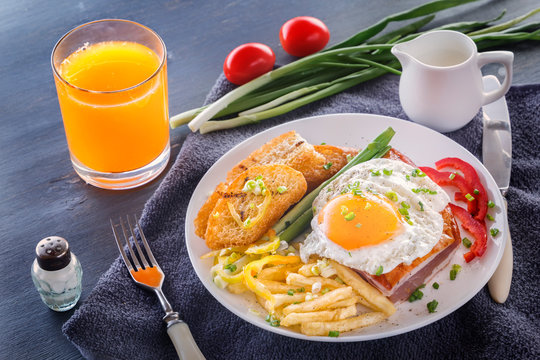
x: 469, y: 197
x: 435, y: 285
x: 350, y: 216
x: 494, y: 231
x: 375, y: 173
x: 333, y: 333
x: 491, y: 204
x: 405, y: 205
x: 290, y: 292
x: 476, y: 191
x: 417, y: 294
x: 392, y: 196
x: 379, y: 271
x: 466, y: 242
x: 358, y: 225
x: 432, y: 305
x: 281, y: 189
x: 327, y: 166
x: 230, y: 267
x: 387, y: 172
x: 403, y: 211
x: 421, y: 206
x: 452, y: 176
x: 455, y: 270
x: 490, y: 218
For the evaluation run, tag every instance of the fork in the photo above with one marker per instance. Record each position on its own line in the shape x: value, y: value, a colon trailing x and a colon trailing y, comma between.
x: 149, y: 276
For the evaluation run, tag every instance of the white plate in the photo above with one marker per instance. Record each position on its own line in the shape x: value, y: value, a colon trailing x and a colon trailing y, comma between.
x: 424, y: 147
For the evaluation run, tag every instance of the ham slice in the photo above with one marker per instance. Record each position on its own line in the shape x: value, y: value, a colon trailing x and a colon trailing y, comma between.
x: 399, y: 283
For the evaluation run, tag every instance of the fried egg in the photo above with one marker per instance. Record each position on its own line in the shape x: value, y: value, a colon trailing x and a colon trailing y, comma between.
x: 375, y: 216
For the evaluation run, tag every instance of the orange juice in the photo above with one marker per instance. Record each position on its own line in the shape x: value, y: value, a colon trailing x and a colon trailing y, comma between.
x: 114, y: 105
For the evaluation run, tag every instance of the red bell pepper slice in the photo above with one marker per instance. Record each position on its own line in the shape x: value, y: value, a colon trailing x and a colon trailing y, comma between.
x: 458, y: 196
x: 442, y: 178
x: 471, y: 176
x: 476, y: 228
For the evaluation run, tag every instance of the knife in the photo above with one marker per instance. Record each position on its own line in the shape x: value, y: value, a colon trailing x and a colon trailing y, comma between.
x: 497, y: 158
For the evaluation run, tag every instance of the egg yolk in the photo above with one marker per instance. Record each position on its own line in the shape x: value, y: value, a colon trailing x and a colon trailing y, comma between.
x: 353, y: 221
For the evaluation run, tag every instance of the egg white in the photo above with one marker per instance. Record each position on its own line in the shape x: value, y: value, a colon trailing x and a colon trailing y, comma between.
x: 414, y: 241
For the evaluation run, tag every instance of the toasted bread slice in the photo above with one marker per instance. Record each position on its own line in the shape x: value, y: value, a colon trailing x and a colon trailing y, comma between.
x: 202, y: 217
x: 336, y: 158
x: 287, y: 149
x: 223, y: 231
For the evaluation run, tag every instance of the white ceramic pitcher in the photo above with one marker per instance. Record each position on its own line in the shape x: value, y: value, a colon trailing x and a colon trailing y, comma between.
x: 441, y: 83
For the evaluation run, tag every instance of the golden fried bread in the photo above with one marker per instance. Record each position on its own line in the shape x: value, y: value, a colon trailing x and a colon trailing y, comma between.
x: 287, y: 149
x: 223, y: 231
x: 202, y: 217
x: 336, y: 158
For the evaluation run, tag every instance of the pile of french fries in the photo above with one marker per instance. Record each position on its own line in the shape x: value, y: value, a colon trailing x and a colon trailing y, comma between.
x: 318, y: 310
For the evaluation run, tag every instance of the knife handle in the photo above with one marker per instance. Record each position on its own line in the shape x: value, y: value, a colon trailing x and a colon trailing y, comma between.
x: 499, y: 284
x: 183, y: 341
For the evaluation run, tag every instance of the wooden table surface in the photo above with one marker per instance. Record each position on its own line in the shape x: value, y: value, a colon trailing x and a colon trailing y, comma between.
x: 41, y: 195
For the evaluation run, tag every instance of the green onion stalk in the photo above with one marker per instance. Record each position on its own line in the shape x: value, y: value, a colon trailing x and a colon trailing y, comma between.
x: 362, y: 57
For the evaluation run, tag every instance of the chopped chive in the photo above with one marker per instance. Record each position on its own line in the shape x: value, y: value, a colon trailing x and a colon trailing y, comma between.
x: 491, y: 204
x: 408, y: 177
x: 417, y: 294
x: 358, y: 225
x: 435, y: 285
x: 350, y: 254
x: 368, y: 205
x: 290, y: 292
x: 357, y: 192
x: 302, y: 289
x: 455, y: 270
x: 490, y: 218
x: 421, y: 206
x: 375, y: 173
x: 494, y: 231
x: 323, y: 143
x: 350, y: 216
x: 344, y: 210
x: 325, y: 290
x: 387, y: 172
x: 259, y: 177
x: 333, y: 333
x: 327, y: 166
x: 281, y: 189
x: 466, y: 242
x: 391, y: 195
x: 403, y: 211
x: 338, y: 279
x: 469, y: 197
x: 379, y: 271
x: 432, y: 192
x: 405, y: 205
x: 452, y: 176
x: 476, y: 191
x: 230, y: 267
x: 272, y: 320
x: 349, y: 157
x: 432, y: 305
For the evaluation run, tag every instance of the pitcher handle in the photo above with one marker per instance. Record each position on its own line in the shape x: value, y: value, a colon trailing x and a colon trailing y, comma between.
x: 506, y: 58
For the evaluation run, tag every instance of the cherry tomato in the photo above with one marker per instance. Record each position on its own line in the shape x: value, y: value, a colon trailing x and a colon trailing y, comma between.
x: 303, y: 35
x: 248, y: 61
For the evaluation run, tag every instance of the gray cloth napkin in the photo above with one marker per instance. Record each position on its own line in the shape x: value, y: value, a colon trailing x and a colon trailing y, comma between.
x: 118, y: 320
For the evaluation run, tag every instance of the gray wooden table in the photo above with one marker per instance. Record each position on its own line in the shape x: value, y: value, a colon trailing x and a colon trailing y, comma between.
x: 41, y: 195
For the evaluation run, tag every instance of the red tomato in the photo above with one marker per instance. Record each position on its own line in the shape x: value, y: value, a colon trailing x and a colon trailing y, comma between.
x: 248, y: 61
x: 303, y: 35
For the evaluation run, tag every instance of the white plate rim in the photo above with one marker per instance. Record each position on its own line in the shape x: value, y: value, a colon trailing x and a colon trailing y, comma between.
x: 259, y: 139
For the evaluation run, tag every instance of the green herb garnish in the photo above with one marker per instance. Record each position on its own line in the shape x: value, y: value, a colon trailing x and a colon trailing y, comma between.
x: 466, y: 242
x: 327, y: 166
x: 230, y: 267
x: 379, y: 271
x: 494, y: 231
x: 432, y: 305
x: 417, y: 294
x: 435, y: 285
x: 491, y: 204
x: 333, y: 333
x: 455, y: 270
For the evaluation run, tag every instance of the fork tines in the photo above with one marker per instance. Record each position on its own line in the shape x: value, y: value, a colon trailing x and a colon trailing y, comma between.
x: 134, y: 264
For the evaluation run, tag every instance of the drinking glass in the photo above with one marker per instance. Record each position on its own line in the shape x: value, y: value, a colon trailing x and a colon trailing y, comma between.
x: 111, y: 80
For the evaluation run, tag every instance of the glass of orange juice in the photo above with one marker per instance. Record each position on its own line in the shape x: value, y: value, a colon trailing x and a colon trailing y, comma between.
x: 111, y: 80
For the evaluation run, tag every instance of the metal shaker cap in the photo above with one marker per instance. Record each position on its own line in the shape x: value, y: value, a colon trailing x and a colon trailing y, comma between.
x: 53, y: 253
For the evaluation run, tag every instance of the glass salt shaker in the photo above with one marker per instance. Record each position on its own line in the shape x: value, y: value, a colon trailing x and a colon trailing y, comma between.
x: 57, y: 274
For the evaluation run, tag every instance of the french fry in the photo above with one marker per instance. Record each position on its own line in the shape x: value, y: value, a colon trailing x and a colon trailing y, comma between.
x: 278, y: 272
x: 278, y: 313
x: 285, y: 299
x: 320, y: 302
x: 376, y: 300
x: 306, y: 269
x: 300, y: 280
x: 324, y: 328
x: 344, y: 303
x: 325, y: 315
x: 277, y: 287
